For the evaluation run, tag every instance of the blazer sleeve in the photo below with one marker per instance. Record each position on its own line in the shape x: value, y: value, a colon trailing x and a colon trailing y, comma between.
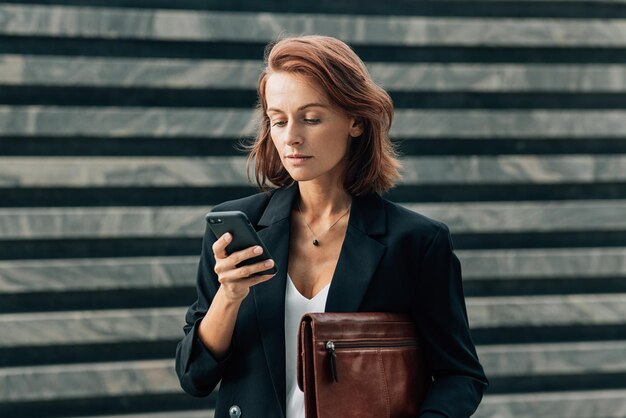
x: 440, y: 312
x: 198, y: 370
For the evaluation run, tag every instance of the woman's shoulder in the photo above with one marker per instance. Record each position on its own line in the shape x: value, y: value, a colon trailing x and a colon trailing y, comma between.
x: 403, y: 220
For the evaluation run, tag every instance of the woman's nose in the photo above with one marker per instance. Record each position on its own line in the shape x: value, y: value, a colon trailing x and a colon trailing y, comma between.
x: 292, y: 134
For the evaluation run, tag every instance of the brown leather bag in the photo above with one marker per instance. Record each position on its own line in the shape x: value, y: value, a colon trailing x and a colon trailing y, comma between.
x: 362, y: 364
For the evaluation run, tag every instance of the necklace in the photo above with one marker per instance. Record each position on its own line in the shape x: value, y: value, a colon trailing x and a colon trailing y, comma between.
x: 315, y: 240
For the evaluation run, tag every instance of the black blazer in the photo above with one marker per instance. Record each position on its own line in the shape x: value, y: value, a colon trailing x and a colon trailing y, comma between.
x: 392, y: 259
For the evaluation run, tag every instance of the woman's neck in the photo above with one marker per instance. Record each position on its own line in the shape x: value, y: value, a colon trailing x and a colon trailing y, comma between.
x: 322, y: 202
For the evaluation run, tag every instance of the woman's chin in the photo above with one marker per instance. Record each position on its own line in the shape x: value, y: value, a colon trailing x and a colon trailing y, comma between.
x: 300, y: 175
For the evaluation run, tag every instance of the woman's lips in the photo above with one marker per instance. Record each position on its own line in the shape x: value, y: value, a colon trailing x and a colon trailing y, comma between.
x: 298, y: 160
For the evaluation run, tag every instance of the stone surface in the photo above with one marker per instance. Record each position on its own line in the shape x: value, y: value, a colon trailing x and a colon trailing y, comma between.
x: 22, y: 276
x: 216, y: 123
x: 510, y: 311
x: 123, y: 171
x: 128, y: 72
x: 545, y: 262
x: 499, y: 77
x: 157, y: 376
x: 65, y: 381
x: 240, y: 74
x: 28, y: 223
x: 356, y: 29
x: 80, y: 327
x: 97, y: 274
x: 513, y: 169
x: 39, y: 223
x: 553, y: 359
x: 539, y: 124
x: 582, y: 404
x: 528, y: 216
x: 96, y: 326
x: 231, y: 171
x: 120, y: 122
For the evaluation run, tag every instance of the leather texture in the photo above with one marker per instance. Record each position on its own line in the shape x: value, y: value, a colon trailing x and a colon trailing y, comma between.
x: 378, y: 362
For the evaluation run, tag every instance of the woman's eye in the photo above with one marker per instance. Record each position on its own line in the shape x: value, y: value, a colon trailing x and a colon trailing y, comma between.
x: 312, y: 121
x: 279, y: 123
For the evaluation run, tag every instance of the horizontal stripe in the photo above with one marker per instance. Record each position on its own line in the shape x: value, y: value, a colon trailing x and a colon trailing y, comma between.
x: 543, y: 263
x: 97, y: 274
x: 31, y: 223
x: 159, y: 122
x: 181, y: 146
x: 197, y: 147
x: 82, y: 327
x: 133, y: 247
x: 171, y: 73
x: 196, y: 196
x: 101, y: 299
x: 224, y: 26
x: 231, y: 171
x: 510, y: 124
x: 497, y: 78
x: 38, y: 355
x: 509, y: 8
x: 230, y: 74
x: 123, y: 404
x: 537, y: 286
x: 157, y: 376
x: 552, y: 359
x: 127, y: 196
x: 134, y: 48
x: 525, y: 217
x: 546, y: 310
x: 163, y: 272
x: 61, y: 328
x: 228, y: 171
x: 581, y: 404
x: 244, y: 99
x: 88, y: 380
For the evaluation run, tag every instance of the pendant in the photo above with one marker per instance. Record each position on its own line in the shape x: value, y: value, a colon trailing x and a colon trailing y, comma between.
x: 316, y: 242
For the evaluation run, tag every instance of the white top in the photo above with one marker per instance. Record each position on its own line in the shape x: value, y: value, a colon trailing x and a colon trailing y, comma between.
x: 296, y: 306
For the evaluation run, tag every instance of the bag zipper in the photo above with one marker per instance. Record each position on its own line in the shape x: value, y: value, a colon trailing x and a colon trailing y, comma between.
x: 332, y: 346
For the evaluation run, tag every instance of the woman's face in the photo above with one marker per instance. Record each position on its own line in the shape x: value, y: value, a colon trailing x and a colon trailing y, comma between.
x: 304, y: 123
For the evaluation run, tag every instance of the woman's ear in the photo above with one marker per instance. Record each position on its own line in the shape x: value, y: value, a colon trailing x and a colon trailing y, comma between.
x: 356, y: 129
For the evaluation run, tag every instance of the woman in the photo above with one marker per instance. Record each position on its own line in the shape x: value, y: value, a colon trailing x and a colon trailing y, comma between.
x: 338, y: 245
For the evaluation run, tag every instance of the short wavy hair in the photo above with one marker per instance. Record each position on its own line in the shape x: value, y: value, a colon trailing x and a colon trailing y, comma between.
x: 373, y: 161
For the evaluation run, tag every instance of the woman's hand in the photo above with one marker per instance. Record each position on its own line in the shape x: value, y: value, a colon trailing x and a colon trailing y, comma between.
x: 236, y: 281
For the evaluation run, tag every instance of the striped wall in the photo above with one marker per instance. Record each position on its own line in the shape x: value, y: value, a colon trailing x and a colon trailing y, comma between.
x: 118, y: 121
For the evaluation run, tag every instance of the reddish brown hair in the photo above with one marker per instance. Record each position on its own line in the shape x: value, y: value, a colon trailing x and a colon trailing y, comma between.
x: 373, y: 164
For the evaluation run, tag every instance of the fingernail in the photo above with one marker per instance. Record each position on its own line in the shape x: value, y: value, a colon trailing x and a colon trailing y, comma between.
x: 227, y: 236
x: 258, y: 250
x: 269, y: 263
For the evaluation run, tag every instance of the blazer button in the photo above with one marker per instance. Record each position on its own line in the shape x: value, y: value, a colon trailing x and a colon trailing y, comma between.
x: 234, y: 411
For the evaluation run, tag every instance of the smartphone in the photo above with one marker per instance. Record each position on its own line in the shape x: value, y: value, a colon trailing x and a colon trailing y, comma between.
x: 244, y: 236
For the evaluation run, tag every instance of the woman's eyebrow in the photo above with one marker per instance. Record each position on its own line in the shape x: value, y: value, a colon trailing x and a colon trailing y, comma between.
x: 273, y: 109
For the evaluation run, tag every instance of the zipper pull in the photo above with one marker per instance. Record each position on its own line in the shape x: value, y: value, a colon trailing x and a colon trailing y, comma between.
x: 330, y: 347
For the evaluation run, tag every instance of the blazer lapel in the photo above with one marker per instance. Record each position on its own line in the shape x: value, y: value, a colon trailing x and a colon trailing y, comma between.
x: 269, y: 296
x: 360, y: 254
x: 359, y: 257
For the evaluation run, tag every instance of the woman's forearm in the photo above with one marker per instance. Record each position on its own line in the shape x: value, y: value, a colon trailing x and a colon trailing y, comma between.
x: 217, y: 326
